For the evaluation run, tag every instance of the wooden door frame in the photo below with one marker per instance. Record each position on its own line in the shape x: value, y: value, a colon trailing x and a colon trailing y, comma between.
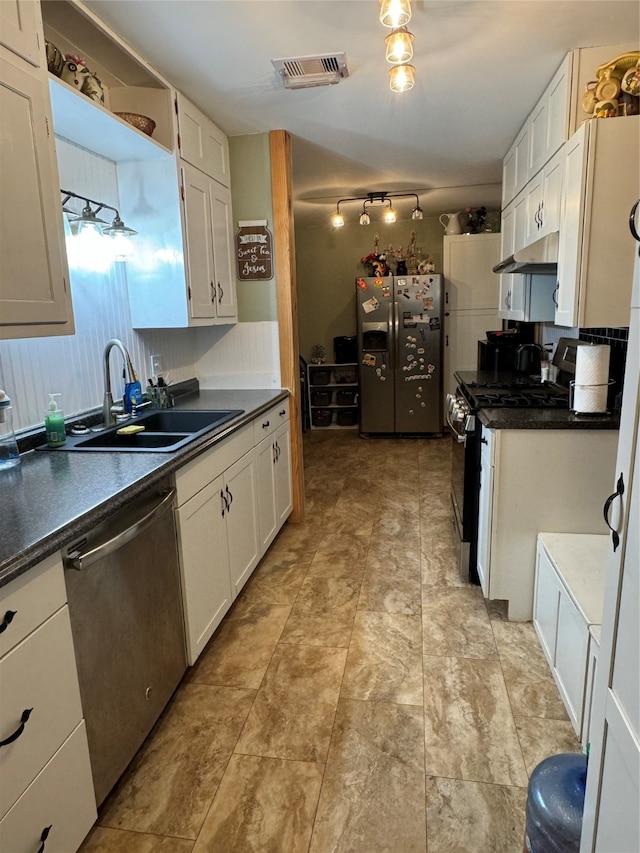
x: 287, y: 298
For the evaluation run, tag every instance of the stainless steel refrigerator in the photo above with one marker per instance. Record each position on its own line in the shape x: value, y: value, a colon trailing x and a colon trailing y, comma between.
x: 400, y: 354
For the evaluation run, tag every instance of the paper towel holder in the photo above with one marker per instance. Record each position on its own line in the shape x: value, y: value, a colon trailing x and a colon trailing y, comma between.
x: 573, y: 385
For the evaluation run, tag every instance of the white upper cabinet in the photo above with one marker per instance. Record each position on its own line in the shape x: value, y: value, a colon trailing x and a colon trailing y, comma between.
x: 595, y: 254
x: 549, y: 120
x: 20, y: 28
x: 201, y: 143
x: 35, y: 297
x: 544, y: 193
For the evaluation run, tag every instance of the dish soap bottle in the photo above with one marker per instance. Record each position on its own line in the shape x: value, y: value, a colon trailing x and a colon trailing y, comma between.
x: 9, y: 454
x: 54, y: 424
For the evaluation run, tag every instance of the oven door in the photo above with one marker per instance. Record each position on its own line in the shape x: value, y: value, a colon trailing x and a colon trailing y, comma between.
x: 464, y: 497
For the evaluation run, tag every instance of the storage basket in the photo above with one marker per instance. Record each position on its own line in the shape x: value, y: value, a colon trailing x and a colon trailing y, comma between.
x: 345, y: 397
x: 321, y: 398
x: 321, y: 417
x: 346, y: 375
x: 319, y: 375
x: 347, y: 417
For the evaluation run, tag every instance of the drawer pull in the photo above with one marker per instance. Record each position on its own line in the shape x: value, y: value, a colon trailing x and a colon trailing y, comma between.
x: 8, y: 619
x: 23, y: 719
x: 43, y: 837
x: 282, y: 412
x: 265, y: 424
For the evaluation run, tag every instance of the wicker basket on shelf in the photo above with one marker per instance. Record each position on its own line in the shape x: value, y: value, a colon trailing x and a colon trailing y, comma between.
x: 144, y: 123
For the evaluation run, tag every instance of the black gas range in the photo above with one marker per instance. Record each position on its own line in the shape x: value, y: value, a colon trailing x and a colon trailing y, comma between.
x: 483, y: 390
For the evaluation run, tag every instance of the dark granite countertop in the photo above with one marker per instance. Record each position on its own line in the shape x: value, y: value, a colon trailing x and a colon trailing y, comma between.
x: 51, y: 497
x: 533, y: 418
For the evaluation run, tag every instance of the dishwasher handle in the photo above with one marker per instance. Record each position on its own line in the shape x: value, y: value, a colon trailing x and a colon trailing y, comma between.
x: 80, y: 560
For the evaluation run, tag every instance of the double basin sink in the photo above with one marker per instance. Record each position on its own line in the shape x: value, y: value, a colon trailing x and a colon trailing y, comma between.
x: 165, y: 430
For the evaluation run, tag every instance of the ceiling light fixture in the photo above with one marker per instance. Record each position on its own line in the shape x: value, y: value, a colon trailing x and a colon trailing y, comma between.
x: 399, y: 45
x: 377, y: 199
x: 89, y: 221
x: 395, y: 13
x: 402, y: 77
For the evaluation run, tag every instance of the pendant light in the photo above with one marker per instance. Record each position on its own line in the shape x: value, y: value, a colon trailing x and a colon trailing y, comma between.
x: 402, y: 77
x: 395, y: 13
x: 390, y: 214
x: 365, y: 219
x: 399, y: 46
x: 376, y: 199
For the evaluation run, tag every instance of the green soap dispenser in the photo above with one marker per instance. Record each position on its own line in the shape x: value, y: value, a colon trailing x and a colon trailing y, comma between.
x: 54, y: 423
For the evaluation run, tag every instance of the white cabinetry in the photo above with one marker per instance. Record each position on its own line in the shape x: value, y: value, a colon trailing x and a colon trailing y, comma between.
x: 471, y: 299
x: 201, y: 143
x: 20, y: 29
x: 516, y: 501
x: 544, y: 193
x: 273, y: 460
x: 595, y: 260
x: 569, y: 591
x: 35, y: 297
x: 549, y: 119
x: 45, y: 774
x: 232, y: 501
x: 613, y: 778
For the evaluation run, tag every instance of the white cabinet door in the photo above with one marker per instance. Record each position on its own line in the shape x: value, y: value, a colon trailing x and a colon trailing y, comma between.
x: 202, y: 144
x: 470, y: 282
x: 60, y: 797
x: 265, y: 465
x: 552, y: 194
x: 509, y: 177
x: 462, y: 331
x: 34, y: 294
x: 558, y: 96
x: 199, y: 236
x: 241, y: 518
x: 571, y: 658
x: 522, y: 158
x: 571, y: 232
x: 204, y: 565
x: 21, y: 28
x: 282, y: 471
x: 521, y: 221
x: 545, y: 604
x: 223, y: 257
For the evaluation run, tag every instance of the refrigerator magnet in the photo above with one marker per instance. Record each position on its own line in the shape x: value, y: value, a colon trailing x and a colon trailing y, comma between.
x: 386, y: 290
x: 427, y: 303
x: 431, y: 368
x: 370, y: 305
x: 362, y: 284
x: 434, y: 323
x: 378, y: 282
x: 369, y: 360
x: 401, y: 282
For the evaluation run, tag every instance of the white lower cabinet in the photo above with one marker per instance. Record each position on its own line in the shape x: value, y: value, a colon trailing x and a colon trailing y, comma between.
x: 569, y: 593
x: 45, y: 771
x: 232, y: 501
x: 533, y: 480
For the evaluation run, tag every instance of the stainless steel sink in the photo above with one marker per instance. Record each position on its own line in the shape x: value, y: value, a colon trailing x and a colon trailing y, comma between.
x: 165, y: 430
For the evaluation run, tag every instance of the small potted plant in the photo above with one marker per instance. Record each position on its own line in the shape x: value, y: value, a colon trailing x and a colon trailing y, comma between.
x: 317, y: 354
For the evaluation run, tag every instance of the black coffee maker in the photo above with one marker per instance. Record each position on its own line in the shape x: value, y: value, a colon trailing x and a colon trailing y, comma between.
x: 527, y: 359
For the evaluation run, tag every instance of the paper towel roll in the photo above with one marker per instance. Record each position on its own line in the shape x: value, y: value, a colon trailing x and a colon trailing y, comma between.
x: 592, y: 365
x: 590, y: 399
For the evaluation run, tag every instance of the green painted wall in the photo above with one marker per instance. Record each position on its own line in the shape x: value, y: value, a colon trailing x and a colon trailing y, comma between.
x: 328, y: 263
x: 251, y: 197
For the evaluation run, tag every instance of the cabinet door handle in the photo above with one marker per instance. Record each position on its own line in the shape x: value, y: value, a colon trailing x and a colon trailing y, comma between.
x: 265, y: 425
x: 213, y: 291
x: 554, y: 295
x: 230, y: 496
x: 275, y: 453
x: 277, y: 449
x: 43, y: 837
x: 225, y: 503
x: 220, y: 292
x: 23, y: 720
x: 632, y: 221
x: 282, y: 412
x: 7, y: 620
x: 607, y: 506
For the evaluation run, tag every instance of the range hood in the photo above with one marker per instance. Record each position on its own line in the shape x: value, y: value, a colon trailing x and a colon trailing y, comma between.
x: 540, y: 257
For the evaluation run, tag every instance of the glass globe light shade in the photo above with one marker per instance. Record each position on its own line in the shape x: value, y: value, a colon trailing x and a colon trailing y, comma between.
x: 365, y: 219
x: 399, y: 46
x: 395, y: 13
x: 337, y: 220
x: 390, y: 215
x: 401, y: 78
x: 417, y: 213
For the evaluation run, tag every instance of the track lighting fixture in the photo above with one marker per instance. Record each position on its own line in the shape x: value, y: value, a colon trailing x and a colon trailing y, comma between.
x: 88, y: 221
x: 376, y: 199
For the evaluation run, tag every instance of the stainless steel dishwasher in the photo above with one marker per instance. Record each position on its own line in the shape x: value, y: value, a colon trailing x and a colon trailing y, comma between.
x: 123, y: 587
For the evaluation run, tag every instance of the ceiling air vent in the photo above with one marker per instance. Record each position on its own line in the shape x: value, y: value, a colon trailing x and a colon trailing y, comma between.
x: 304, y: 72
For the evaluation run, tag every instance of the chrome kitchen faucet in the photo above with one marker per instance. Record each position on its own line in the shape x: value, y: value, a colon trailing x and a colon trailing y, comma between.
x: 109, y: 411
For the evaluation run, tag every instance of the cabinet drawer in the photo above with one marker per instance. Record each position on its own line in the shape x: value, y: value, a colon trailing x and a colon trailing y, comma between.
x: 61, y: 797
x: 31, y: 598
x: 38, y: 674
x: 270, y: 421
x: 195, y: 475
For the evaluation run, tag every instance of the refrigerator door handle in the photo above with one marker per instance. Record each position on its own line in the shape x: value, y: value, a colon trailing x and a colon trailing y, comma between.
x: 396, y: 342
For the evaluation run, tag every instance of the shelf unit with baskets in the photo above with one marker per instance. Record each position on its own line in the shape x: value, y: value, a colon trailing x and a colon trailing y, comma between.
x: 333, y: 395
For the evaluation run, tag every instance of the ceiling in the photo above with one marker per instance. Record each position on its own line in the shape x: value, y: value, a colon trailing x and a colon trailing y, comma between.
x: 481, y: 65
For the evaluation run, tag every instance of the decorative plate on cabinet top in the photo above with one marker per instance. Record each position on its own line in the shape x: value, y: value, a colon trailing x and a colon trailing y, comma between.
x: 619, y: 65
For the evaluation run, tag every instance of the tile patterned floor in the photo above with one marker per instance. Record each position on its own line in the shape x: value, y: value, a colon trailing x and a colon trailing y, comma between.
x: 358, y: 696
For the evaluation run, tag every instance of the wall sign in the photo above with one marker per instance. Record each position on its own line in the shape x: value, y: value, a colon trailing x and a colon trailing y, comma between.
x: 254, y: 251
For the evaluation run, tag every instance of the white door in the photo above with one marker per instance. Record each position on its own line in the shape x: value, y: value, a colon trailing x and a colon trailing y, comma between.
x: 242, y: 520
x: 199, y: 235
x: 265, y: 475
x: 283, y: 493
x: 204, y: 565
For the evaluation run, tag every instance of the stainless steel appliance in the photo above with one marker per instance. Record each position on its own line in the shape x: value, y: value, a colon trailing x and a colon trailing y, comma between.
x: 400, y: 353
x: 123, y: 587
x: 477, y: 390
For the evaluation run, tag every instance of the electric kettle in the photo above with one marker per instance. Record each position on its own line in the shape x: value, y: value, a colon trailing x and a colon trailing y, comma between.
x: 528, y: 357
x: 452, y: 225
